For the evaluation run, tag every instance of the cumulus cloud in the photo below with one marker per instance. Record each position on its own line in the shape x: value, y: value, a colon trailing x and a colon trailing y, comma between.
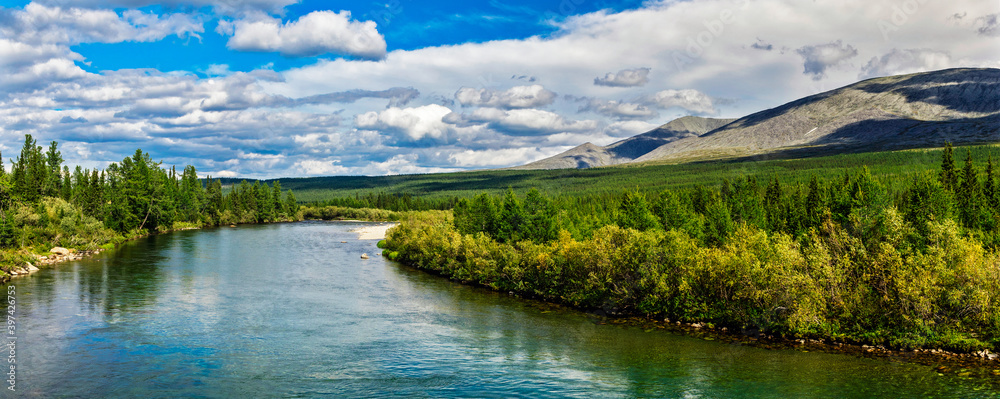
x: 316, y: 33
x: 38, y: 24
x: 618, y: 109
x: 688, y: 99
x: 224, y: 7
x: 628, y: 128
x: 408, y: 125
x: 520, y: 122
x: 819, y: 58
x: 625, y: 78
x: 397, y: 96
x: 498, y: 157
x: 533, y: 96
x: 905, y: 61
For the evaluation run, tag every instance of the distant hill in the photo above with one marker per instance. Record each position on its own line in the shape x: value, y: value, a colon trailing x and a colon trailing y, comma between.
x: 890, y: 113
x: 589, y: 155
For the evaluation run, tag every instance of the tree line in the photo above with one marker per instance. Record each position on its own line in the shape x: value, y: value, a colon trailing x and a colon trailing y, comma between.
x: 969, y: 195
x: 136, y: 194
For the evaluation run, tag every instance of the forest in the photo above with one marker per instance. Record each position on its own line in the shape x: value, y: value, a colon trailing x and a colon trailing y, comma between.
x: 44, y: 204
x: 906, y: 261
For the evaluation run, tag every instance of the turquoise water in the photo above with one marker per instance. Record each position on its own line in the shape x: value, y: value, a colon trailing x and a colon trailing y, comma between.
x: 289, y: 311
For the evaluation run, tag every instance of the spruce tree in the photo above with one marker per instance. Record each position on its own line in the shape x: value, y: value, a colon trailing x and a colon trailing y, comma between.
x: 291, y: 206
x: 772, y: 206
x: 949, y: 175
x: 813, y: 204
x: 990, y: 191
x: 66, y: 191
x: 541, y: 223
x: 512, y: 219
x: 53, y: 181
x: 634, y: 213
x: 968, y: 194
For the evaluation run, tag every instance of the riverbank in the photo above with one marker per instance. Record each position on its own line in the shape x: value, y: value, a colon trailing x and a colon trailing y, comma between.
x: 27, y: 260
x: 377, y: 232
x: 755, y: 284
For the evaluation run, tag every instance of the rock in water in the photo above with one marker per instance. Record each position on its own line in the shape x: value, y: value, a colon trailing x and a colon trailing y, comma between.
x: 60, y: 251
x: 364, y: 256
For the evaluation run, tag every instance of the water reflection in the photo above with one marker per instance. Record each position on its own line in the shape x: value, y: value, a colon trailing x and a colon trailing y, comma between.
x: 289, y: 310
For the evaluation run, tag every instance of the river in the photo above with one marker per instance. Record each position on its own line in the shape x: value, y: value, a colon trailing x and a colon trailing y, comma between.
x: 288, y: 310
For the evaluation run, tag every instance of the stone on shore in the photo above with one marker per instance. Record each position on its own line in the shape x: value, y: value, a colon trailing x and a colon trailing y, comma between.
x: 60, y: 251
x: 30, y: 268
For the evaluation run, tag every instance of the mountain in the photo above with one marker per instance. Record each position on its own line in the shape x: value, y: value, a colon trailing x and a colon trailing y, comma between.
x: 897, y: 112
x: 589, y: 155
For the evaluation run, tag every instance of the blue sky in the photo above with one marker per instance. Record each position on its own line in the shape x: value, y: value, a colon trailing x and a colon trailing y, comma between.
x: 274, y: 88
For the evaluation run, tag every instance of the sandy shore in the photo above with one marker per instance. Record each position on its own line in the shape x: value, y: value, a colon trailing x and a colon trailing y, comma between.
x: 373, y: 232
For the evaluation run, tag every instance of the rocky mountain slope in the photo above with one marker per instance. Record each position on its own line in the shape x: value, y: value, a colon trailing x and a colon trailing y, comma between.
x: 589, y: 155
x: 896, y: 112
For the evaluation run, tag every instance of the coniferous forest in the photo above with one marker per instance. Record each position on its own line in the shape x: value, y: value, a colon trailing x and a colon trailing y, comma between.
x: 44, y: 204
x: 849, y: 257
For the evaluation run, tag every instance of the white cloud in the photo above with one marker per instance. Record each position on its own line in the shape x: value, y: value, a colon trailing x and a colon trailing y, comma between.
x: 625, y: 78
x: 521, y: 122
x: 498, y: 158
x: 225, y: 7
x: 316, y: 33
x: 533, y: 96
x: 619, y: 110
x: 905, y: 61
x: 38, y: 24
x: 689, y: 99
x: 628, y: 128
x: 408, y: 125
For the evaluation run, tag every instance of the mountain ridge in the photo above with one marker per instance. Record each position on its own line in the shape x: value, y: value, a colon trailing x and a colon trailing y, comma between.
x: 960, y: 105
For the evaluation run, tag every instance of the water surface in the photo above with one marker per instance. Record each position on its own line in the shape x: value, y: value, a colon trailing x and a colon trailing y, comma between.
x: 288, y: 310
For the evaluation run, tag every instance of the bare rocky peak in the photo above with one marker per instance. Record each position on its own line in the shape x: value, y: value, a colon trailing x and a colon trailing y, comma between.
x: 907, y: 111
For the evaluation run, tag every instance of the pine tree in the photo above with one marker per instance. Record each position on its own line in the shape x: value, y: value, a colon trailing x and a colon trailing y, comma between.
x: 53, y: 181
x: 773, y: 206
x: 291, y: 206
x: 968, y: 195
x: 949, y: 175
x: 991, y: 193
x: 634, y: 213
x: 279, y: 209
x: 66, y: 191
x: 718, y: 222
x: 512, y: 218
x: 814, y: 204
x: 541, y: 223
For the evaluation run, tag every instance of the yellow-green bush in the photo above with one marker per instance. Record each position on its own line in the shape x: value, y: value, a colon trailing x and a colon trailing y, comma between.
x: 829, y: 283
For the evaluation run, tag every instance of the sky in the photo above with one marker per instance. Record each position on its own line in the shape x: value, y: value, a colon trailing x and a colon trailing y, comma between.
x: 293, y: 88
